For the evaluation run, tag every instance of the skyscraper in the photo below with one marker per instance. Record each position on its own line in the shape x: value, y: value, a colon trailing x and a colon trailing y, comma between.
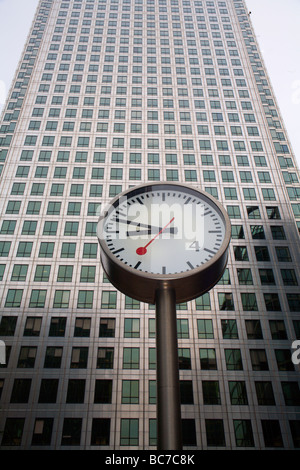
x: 109, y: 94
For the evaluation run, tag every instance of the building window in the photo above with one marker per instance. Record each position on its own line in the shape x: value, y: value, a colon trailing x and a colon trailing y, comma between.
x: 264, y: 393
x: 61, y: 299
x: 100, y: 432
x: 131, y: 304
x: 103, y: 391
x: 272, y: 433
x: 259, y: 359
x: 294, y: 302
x: 229, y: 329
x: 33, y: 326
x: 21, y: 390
x: 13, y: 298
x: 182, y: 329
x: 277, y: 328
x: 205, y: 329
x: 13, y: 432
x: 42, y: 273
x: 107, y: 328
x: 186, y: 392
x: 53, y: 357
x: 76, y: 390
x: 79, y: 358
x: 42, y: 432
x: 272, y: 302
x: 58, y: 326
x: 233, y: 359
x: 19, y: 272
x: 203, y: 302
x: 131, y: 358
x: 85, y: 299
x: 130, y: 391
x: 105, y: 358
x: 109, y: 300
x: 253, y: 328
x: 215, y: 433
x: 65, y: 273
x: 243, y: 433
x: 291, y: 393
x: 249, y: 302
x: 71, y: 433
x: 37, y: 298
x: 225, y: 301
x: 184, y: 357
x: 131, y: 328
x: 208, y: 359
x: 283, y: 359
x: 87, y: 273
x: 82, y: 328
x: 238, y: 393
x: 211, y: 392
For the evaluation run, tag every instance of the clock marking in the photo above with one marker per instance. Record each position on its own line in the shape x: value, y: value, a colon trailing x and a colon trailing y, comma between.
x: 117, y: 251
x: 210, y: 251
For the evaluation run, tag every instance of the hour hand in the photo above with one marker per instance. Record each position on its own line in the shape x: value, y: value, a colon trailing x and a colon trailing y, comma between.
x: 149, y: 228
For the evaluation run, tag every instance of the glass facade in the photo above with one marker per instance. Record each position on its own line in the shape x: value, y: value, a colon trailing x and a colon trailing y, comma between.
x: 109, y: 94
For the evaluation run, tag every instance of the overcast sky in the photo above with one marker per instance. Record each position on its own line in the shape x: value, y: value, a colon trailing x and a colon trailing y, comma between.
x: 276, y: 23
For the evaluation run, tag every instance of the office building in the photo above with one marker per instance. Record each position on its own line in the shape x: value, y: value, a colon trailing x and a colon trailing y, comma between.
x: 109, y: 94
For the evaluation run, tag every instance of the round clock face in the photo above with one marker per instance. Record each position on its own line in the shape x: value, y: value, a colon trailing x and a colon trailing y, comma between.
x: 163, y: 229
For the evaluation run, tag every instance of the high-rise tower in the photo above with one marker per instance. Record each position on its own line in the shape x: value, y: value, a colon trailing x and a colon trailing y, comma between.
x: 109, y: 94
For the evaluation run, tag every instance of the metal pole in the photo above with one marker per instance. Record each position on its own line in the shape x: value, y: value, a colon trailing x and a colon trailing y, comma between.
x: 169, y: 435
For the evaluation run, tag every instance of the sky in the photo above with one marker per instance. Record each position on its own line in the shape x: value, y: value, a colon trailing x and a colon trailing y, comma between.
x: 276, y: 24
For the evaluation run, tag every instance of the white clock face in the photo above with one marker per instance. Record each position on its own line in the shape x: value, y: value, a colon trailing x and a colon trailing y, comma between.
x: 164, y: 229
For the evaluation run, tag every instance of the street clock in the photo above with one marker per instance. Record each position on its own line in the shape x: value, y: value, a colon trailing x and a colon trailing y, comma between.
x: 164, y: 234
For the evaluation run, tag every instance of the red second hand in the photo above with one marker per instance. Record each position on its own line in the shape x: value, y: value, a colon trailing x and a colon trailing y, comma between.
x: 142, y: 250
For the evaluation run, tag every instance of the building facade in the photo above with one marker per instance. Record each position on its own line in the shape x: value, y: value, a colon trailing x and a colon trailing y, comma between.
x: 109, y: 94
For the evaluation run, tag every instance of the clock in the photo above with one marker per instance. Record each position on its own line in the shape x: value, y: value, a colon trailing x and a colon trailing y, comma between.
x: 164, y: 235
x: 164, y: 243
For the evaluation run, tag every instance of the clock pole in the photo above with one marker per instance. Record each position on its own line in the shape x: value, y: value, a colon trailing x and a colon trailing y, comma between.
x: 169, y: 434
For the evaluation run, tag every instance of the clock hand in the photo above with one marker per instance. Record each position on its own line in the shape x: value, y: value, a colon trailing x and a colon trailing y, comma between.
x: 131, y: 222
x: 173, y: 230
x: 142, y: 250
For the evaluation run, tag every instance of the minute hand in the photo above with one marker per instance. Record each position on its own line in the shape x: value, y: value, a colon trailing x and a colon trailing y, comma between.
x: 142, y: 250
